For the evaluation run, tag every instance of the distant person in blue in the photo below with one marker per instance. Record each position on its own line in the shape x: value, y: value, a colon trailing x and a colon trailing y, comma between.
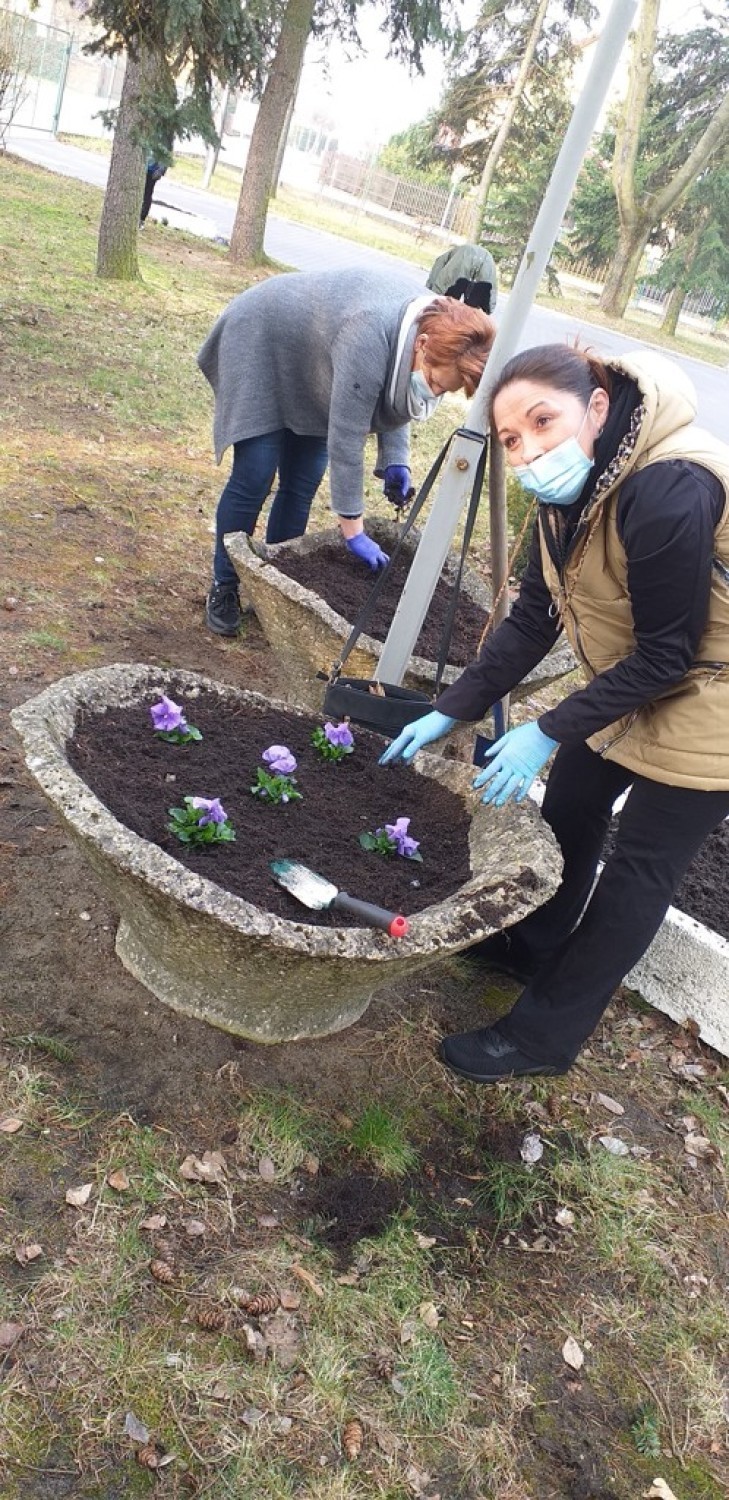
x: 153, y: 174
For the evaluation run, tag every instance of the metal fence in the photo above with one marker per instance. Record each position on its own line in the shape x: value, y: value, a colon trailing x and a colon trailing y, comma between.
x: 34, y: 63
x: 401, y: 197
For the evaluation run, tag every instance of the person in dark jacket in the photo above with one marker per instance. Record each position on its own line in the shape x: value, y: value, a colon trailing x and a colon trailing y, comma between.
x: 630, y: 556
x: 304, y: 366
x: 467, y: 273
x: 154, y: 173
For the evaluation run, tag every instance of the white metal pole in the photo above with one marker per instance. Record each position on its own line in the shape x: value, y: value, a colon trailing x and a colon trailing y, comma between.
x: 456, y: 476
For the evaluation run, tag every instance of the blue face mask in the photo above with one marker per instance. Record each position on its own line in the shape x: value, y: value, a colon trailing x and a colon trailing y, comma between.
x: 422, y: 401
x: 558, y: 475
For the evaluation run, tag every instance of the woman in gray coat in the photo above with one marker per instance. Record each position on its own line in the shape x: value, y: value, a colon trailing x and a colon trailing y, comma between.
x: 304, y: 366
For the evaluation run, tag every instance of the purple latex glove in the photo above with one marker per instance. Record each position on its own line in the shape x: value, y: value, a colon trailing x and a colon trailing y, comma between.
x: 363, y: 547
x: 397, y: 486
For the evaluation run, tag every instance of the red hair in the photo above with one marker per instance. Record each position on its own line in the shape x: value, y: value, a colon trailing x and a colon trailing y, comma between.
x: 460, y: 336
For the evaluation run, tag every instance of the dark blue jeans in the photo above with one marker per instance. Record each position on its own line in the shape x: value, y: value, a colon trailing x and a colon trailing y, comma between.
x: 300, y: 463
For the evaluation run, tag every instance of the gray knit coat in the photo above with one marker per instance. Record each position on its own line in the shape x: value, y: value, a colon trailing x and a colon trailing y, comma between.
x: 315, y: 352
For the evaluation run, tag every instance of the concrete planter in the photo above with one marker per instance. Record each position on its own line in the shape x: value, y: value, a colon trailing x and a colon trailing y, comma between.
x: 685, y: 973
x: 307, y: 636
x: 214, y: 956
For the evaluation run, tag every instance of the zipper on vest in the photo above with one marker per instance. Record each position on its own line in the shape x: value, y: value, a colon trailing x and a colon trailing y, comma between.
x: 608, y: 744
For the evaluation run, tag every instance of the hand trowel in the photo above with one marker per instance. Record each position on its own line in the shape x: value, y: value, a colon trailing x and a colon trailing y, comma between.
x: 319, y: 894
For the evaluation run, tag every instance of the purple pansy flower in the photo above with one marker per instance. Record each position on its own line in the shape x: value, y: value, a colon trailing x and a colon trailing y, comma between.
x: 339, y: 734
x: 211, y: 808
x: 398, y: 832
x: 279, y: 760
x: 167, y: 716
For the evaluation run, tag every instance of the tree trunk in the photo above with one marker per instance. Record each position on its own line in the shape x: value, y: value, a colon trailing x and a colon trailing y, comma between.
x: 678, y: 294
x: 623, y: 270
x: 116, y: 257
x: 246, y: 243
x: 638, y: 213
x: 500, y: 139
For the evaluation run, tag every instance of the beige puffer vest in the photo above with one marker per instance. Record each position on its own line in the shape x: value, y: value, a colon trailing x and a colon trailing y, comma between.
x: 681, y: 738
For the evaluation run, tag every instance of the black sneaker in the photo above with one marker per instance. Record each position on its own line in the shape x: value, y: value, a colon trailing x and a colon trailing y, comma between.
x: 500, y: 954
x: 485, y: 1056
x: 223, y: 613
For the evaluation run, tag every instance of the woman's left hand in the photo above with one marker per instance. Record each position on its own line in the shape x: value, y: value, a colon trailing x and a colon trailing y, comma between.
x: 517, y: 758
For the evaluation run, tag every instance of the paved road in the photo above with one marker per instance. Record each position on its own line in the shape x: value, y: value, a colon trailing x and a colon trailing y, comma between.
x: 314, y: 250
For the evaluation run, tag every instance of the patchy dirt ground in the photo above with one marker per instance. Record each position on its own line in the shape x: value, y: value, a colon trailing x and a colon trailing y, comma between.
x: 433, y: 1301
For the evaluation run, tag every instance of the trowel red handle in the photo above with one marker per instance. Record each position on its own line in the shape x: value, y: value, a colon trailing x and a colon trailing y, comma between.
x: 376, y: 916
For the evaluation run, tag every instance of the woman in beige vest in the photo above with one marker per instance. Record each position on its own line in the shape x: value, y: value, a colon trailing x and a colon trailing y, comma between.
x: 630, y: 557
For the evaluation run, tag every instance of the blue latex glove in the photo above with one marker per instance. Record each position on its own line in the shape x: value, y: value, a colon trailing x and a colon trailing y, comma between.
x: 367, y: 550
x: 397, y: 485
x: 414, y: 736
x: 516, y: 759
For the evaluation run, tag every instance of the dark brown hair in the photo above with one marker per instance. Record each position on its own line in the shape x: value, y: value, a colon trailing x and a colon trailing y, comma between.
x: 460, y: 336
x: 562, y: 366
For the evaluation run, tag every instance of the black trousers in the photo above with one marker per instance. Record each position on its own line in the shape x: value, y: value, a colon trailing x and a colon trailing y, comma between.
x: 584, y: 944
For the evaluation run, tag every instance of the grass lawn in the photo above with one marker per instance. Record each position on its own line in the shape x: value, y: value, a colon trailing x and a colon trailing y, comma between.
x: 365, y: 1292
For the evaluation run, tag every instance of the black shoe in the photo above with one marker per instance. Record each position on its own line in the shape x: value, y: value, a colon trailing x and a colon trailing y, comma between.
x: 486, y: 1057
x: 223, y: 613
x: 500, y: 954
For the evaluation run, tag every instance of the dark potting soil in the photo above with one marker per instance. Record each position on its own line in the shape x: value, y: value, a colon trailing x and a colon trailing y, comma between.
x: 702, y: 893
x: 345, y: 584
x: 139, y: 777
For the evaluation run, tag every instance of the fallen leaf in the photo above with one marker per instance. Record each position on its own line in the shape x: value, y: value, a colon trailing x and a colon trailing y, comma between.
x: 252, y: 1415
x: 606, y: 1102
x: 210, y: 1167
x: 350, y: 1278
x: 10, y: 1123
x: 135, y: 1429
x: 699, y: 1145
x: 267, y: 1168
x: 659, y: 1490
x: 311, y: 1164
x: 614, y: 1145
x: 564, y: 1217
x: 10, y: 1333
x: 194, y: 1227
x: 268, y: 1221
x: 77, y: 1197
x: 429, y: 1315
x: 254, y: 1342
x: 154, y: 1222
x: 118, y: 1181
x: 424, y: 1241
x: 289, y: 1300
x: 407, y: 1330
x: 26, y: 1253
x: 308, y: 1279
x: 283, y: 1340
x: 532, y: 1148
x: 281, y: 1424
x: 572, y: 1353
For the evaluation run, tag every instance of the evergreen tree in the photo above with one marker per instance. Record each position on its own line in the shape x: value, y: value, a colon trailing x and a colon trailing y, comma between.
x: 506, y: 55
x: 175, y: 49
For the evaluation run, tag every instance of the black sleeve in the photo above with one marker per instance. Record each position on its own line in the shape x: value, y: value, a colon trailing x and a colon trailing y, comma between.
x: 666, y: 518
x: 516, y: 646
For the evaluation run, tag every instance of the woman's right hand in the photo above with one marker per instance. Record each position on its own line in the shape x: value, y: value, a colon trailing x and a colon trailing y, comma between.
x: 414, y: 736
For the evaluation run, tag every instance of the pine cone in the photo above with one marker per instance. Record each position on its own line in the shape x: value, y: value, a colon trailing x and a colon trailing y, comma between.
x: 352, y: 1439
x: 162, y: 1271
x: 383, y: 1364
x: 148, y: 1456
x: 263, y: 1302
x: 163, y: 1250
x: 211, y: 1318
